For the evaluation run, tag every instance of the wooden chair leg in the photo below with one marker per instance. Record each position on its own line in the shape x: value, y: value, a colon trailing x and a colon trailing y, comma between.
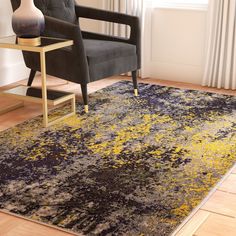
x: 135, y: 82
x: 31, y: 77
x: 84, y: 89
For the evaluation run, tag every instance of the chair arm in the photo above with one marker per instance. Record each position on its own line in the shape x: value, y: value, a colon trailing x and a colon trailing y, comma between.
x: 58, y: 28
x: 110, y: 16
x: 115, y: 17
x: 54, y: 26
x: 98, y: 36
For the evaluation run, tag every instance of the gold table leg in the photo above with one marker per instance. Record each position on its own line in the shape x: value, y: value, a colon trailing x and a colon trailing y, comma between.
x: 72, y: 113
x: 46, y: 122
x: 44, y: 89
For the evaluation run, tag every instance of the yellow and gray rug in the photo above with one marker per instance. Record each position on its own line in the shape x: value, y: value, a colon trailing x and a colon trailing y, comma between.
x: 132, y: 166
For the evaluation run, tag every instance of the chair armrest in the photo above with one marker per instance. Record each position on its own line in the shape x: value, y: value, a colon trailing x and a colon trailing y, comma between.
x: 103, y: 15
x: 99, y: 36
x: 58, y: 28
x: 115, y: 17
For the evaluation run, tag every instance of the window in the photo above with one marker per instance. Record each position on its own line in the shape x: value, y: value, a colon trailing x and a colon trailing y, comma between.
x: 182, y: 4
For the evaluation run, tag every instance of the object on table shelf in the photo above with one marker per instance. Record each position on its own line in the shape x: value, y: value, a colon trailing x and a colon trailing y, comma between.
x: 28, y: 23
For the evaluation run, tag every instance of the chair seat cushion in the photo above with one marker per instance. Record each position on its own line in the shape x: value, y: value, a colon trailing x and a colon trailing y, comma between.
x: 108, y: 58
x: 99, y: 51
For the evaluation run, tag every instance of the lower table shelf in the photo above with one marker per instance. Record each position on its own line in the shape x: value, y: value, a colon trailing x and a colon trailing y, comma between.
x: 33, y: 94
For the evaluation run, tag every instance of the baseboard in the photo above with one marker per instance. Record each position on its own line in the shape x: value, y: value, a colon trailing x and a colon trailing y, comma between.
x: 13, y: 73
x: 177, y: 72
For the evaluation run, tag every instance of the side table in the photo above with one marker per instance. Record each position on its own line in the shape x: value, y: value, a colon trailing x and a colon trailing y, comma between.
x: 43, y: 95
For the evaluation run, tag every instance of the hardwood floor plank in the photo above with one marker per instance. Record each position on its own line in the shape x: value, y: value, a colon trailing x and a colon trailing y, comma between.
x: 221, y: 203
x: 197, y: 220
x: 14, y: 226
x: 7, y: 224
x: 25, y: 229
x: 229, y: 185
x: 217, y: 225
x: 234, y: 171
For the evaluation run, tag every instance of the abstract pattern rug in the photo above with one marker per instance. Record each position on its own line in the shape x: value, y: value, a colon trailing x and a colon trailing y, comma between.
x: 132, y: 166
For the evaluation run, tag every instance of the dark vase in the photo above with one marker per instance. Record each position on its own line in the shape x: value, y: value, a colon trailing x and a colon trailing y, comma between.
x: 28, y: 21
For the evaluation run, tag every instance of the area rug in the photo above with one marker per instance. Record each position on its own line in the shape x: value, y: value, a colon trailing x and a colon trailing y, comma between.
x: 132, y: 166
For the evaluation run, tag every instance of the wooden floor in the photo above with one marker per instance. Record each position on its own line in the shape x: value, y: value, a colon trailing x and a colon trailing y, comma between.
x: 215, y: 216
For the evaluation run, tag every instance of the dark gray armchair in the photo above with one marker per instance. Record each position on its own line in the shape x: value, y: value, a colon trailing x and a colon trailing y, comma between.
x: 93, y: 56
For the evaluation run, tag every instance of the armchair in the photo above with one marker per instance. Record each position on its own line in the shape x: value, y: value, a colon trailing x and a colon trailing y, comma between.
x: 93, y: 56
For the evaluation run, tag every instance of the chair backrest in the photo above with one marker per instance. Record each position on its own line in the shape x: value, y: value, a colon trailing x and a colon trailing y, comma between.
x: 61, y: 9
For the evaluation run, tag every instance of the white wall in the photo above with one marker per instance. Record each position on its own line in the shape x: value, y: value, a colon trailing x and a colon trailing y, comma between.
x: 12, y: 67
x: 175, y: 44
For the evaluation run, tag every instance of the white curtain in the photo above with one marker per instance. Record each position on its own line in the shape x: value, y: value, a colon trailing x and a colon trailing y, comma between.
x: 131, y: 7
x: 220, y: 68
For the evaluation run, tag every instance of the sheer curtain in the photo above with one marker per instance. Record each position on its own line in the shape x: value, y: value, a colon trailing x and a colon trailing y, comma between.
x: 220, y: 68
